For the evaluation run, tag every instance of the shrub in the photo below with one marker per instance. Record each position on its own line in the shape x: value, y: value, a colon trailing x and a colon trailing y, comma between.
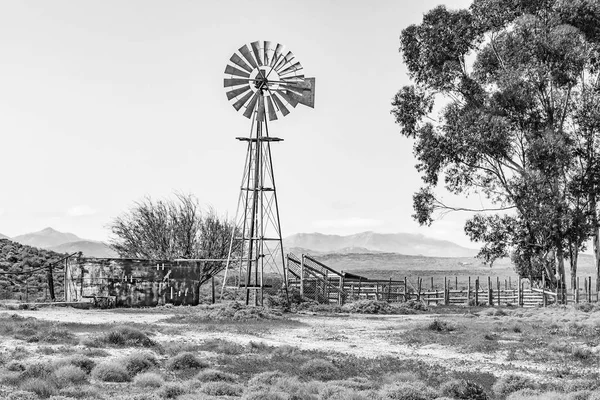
x: 319, y: 369
x: 110, y: 371
x: 41, y: 386
x: 81, y: 392
x: 213, y: 375
x: 408, y: 391
x: 266, y: 379
x: 222, y: 347
x: 439, y: 326
x: 221, y: 389
x: 149, y: 380
x: 128, y: 336
x: 581, y: 353
x: 15, y: 366
x: 21, y: 395
x: 463, y: 389
x: 530, y: 394
x: 172, y: 390
x: 70, y: 375
x: 10, y: 378
x: 37, y: 371
x: 265, y: 394
x: 511, y: 383
x: 579, y: 395
x: 139, y: 362
x: 185, y: 361
x: 82, y: 362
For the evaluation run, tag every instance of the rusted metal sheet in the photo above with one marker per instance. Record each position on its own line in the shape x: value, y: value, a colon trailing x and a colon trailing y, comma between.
x: 131, y: 283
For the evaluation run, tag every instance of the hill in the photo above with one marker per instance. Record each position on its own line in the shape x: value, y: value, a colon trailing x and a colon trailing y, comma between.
x: 3, y: 236
x: 16, y: 258
x: 89, y: 248
x: 401, y: 243
x: 46, y: 238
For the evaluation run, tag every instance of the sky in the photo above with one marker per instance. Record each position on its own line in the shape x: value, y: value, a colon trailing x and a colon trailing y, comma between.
x: 105, y: 102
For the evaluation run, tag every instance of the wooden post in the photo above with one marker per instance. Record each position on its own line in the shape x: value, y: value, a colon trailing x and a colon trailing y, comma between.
x: 359, y: 285
x: 212, y: 290
x: 558, y: 291
x: 406, y: 288
x: 352, y: 291
x: 577, y: 290
x: 505, y: 284
x: 477, y: 291
x: 498, y: 291
x: 589, y: 290
x: 341, y: 291
x: 420, y: 283
x: 302, y: 277
x: 544, y: 303
x: 490, y: 293
x: 27, y: 290
x: 446, y: 291
x: 519, y: 304
x: 456, y: 283
x: 509, y: 283
x: 377, y: 292
x: 432, y: 283
x: 51, y: 283
x: 389, y: 296
x: 469, y: 292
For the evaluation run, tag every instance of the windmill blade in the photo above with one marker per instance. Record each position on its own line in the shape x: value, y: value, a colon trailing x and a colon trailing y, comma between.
x: 258, y: 52
x: 292, y: 68
x: 238, y: 104
x: 236, y: 92
x: 248, y: 56
x: 235, y: 82
x: 237, y: 72
x: 260, y: 112
x: 283, y: 60
x: 250, y: 106
x: 269, y: 52
x: 277, y: 55
x: 293, y: 79
x: 280, y: 105
x: 237, y: 60
x: 290, y: 100
x: 271, y: 110
x: 308, y: 93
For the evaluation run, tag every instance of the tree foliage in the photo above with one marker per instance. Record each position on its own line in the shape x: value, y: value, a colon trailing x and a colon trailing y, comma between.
x: 171, y: 229
x: 517, y: 85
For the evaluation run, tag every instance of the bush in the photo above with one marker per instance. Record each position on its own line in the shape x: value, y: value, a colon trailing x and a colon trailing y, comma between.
x: 139, y: 362
x: 70, y: 375
x: 172, y: 390
x: 185, y: 361
x: 41, y: 386
x: 221, y: 389
x: 149, y: 380
x: 21, y: 395
x: 111, y: 371
x: 319, y: 369
x: 265, y: 394
x: 81, y: 392
x: 212, y: 375
x: 511, y: 383
x: 463, y: 389
x: 439, y: 326
x: 37, y: 371
x: 266, y: 379
x: 127, y: 336
x: 408, y: 391
x: 84, y: 363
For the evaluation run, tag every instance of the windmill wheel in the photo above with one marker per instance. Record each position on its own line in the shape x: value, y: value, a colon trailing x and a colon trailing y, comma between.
x: 263, y: 79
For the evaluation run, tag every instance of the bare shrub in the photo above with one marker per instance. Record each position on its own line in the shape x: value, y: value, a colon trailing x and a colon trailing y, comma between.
x: 512, y: 383
x: 10, y: 378
x: 530, y: 394
x: 81, y: 392
x: 22, y: 395
x: 186, y: 361
x: 149, y: 380
x: 440, y: 326
x: 265, y: 394
x: 319, y: 369
x: 111, y: 371
x: 127, y: 336
x: 37, y: 370
x: 266, y: 379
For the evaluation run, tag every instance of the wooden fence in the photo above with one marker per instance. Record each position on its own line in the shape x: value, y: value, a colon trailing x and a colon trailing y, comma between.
x: 317, y: 282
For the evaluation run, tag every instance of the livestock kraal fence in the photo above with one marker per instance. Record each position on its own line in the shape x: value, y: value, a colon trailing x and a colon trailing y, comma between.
x: 315, y: 281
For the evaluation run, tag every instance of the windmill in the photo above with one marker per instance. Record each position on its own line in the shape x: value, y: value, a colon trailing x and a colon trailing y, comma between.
x: 263, y: 81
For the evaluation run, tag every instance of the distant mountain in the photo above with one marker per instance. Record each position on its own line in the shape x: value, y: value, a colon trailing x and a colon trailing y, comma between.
x: 3, y: 236
x: 46, y: 238
x: 89, y: 248
x: 370, y: 242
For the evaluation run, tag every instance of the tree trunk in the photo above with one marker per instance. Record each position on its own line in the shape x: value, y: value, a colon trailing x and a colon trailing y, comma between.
x: 560, y: 267
x: 573, y: 254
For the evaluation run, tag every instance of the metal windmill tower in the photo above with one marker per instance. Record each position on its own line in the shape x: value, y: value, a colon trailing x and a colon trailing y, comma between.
x: 261, y: 80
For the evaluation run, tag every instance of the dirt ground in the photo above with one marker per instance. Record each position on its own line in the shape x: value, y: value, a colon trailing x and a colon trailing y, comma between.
x: 359, y: 335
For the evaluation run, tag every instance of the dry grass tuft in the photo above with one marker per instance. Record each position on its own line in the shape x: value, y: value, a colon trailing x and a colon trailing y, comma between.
x: 111, y: 371
x: 149, y: 380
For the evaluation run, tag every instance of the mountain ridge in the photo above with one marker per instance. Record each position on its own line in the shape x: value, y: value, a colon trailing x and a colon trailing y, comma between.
x: 372, y: 242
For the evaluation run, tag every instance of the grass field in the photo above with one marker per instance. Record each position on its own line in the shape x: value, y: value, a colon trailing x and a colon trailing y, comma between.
x: 316, y: 352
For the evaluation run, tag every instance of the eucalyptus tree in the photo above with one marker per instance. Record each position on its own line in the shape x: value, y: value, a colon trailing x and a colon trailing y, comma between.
x: 514, y: 80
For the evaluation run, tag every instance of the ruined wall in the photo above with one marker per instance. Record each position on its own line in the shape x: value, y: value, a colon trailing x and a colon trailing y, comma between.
x: 131, y: 282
